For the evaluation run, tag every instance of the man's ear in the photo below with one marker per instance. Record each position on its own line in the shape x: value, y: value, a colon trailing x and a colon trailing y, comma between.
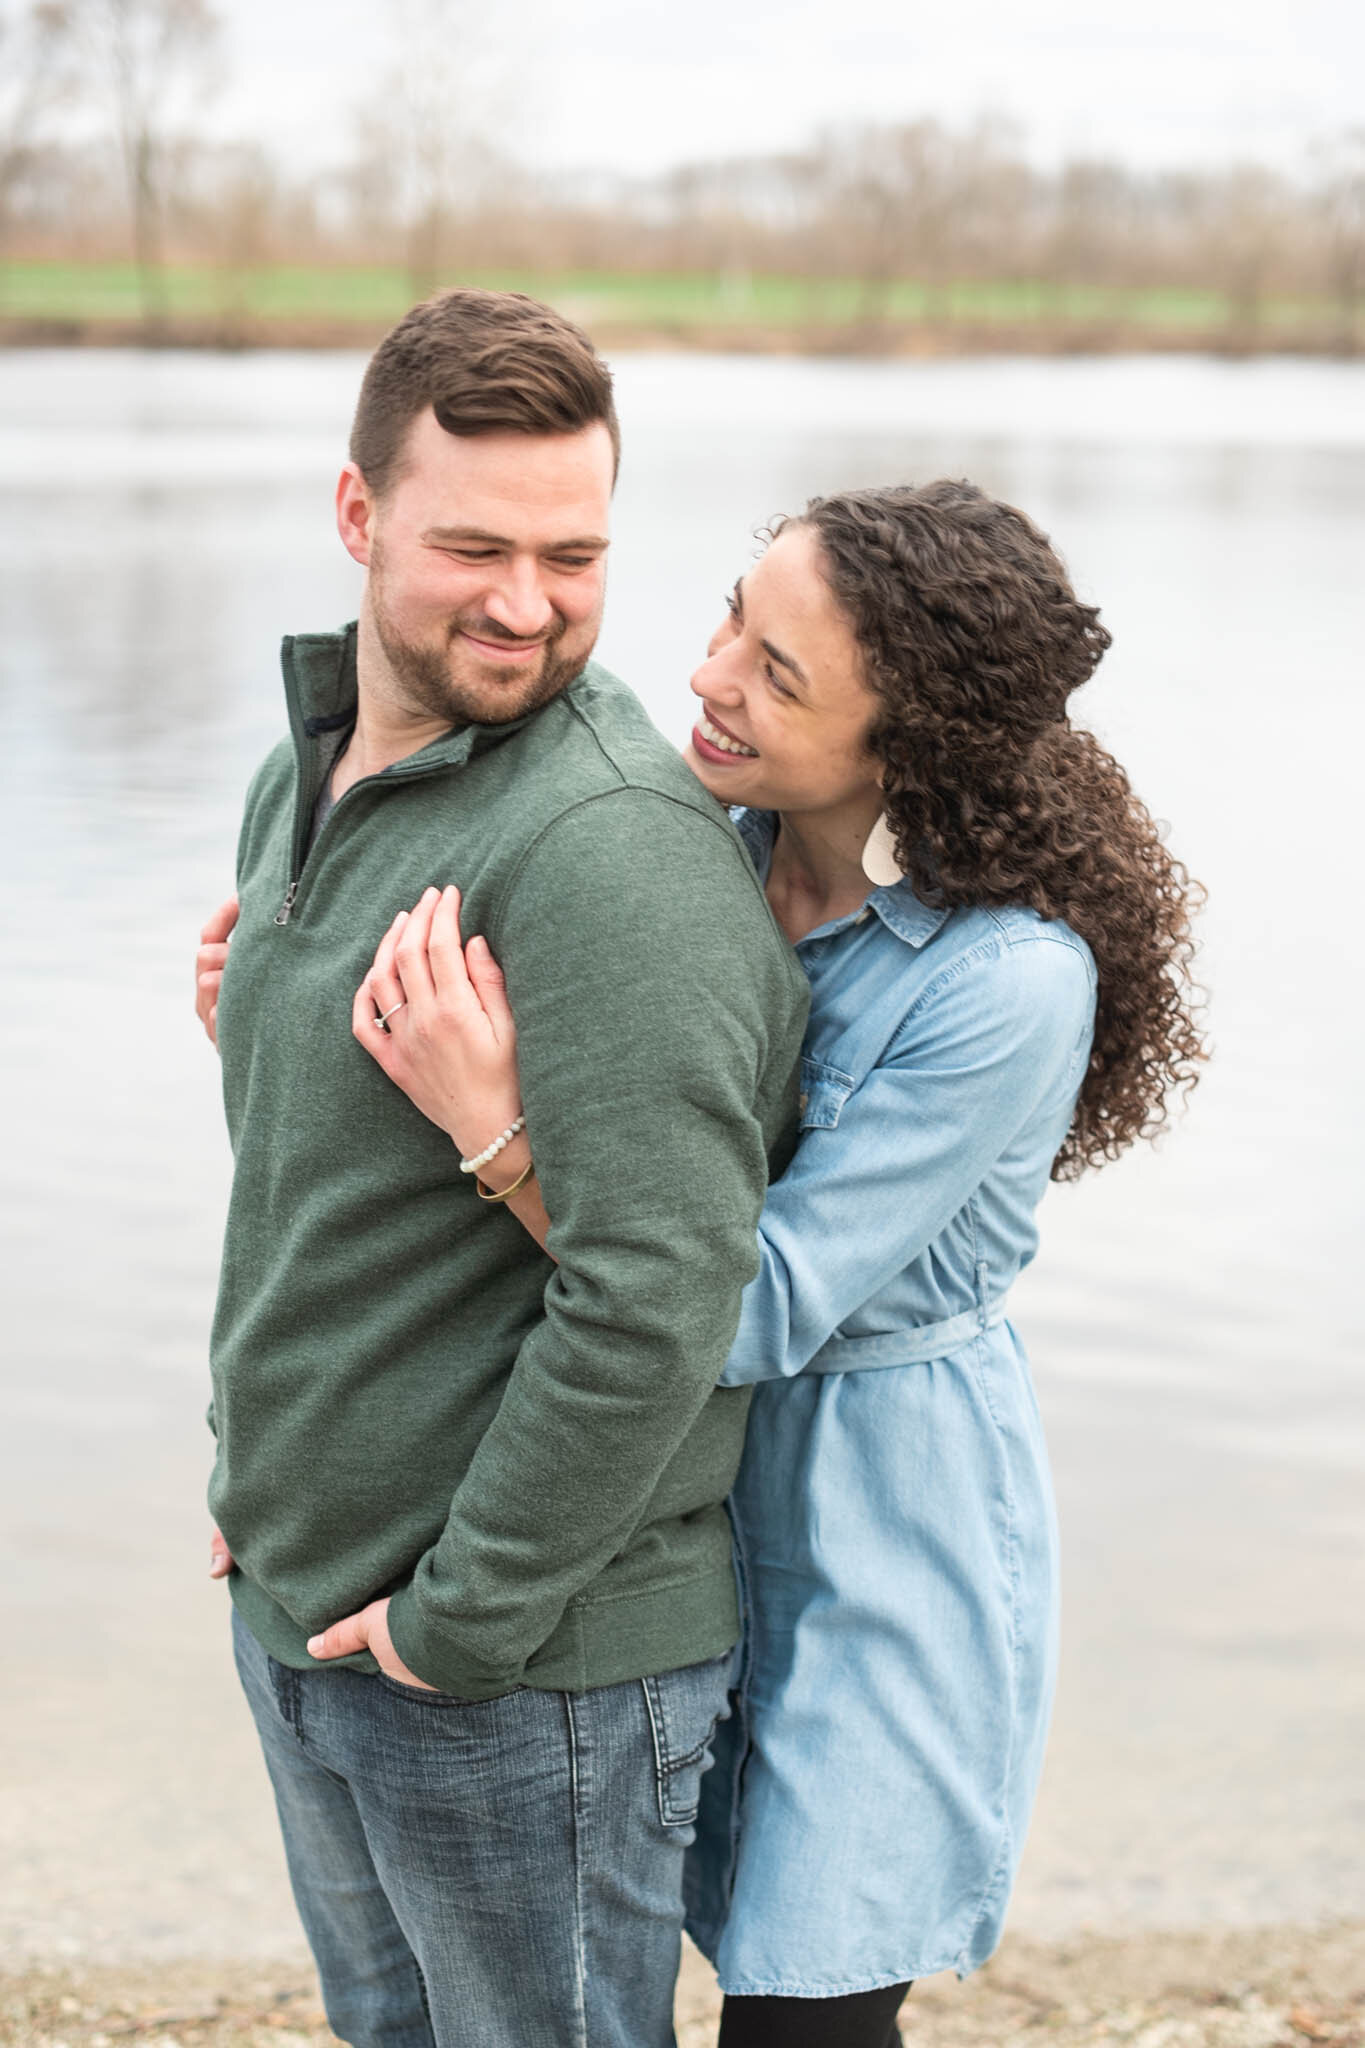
x: 355, y: 515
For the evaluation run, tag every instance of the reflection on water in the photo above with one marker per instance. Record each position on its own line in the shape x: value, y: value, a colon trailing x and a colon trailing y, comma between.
x: 1194, y: 1318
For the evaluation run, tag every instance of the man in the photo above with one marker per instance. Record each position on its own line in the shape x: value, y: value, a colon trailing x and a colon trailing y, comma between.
x: 470, y: 1500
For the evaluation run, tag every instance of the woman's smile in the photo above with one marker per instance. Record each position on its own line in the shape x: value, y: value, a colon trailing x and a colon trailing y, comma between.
x: 715, y: 742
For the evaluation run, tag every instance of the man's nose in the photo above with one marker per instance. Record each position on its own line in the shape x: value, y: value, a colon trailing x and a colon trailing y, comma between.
x: 518, y: 602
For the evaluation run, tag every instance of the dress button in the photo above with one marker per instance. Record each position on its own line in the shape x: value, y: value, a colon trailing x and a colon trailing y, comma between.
x: 803, y: 1100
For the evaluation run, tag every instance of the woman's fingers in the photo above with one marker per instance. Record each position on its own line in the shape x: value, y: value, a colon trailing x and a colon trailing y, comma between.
x: 460, y: 969
x: 383, y: 969
x: 490, y: 986
x: 219, y: 926
x: 365, y: 1023
x: 383, y: 977
x: 399, y: 976
x: 453, y: 1048
x: 206, y: 1002
x: 446, y: 949
x: 209, y: 962
x: 380, y: 993
x: 410, y: 953
x: 382, y: 966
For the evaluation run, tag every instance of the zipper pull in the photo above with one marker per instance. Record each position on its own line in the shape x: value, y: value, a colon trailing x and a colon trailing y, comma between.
x: 282, y: 914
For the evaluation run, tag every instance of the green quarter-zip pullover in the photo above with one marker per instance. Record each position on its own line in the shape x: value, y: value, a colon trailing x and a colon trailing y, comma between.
x: 410, y: 1398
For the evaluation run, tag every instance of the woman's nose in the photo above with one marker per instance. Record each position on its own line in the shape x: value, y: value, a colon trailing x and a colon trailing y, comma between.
x: 717, y: 678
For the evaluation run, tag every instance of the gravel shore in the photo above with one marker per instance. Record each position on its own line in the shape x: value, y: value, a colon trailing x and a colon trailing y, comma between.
x: 1277, y: 1987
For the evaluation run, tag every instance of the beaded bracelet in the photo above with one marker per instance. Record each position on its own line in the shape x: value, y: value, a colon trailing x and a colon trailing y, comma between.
x: 499, y: 1144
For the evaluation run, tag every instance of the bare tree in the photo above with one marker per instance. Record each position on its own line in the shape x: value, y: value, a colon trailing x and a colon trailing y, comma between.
x: 421, y: 157
x: 231, y: 208
x: 38, y: 72
x: 1244, y: 217
x: 909, y: 203
x: 1092, y: 205
x: 152, y: 58
x: 1342, y: 200
x: 855, y: 217
x: 865, y: 201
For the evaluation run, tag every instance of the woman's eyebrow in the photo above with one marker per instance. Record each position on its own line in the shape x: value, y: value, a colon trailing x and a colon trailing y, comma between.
x: 773, y: 653
x: 785, y: 661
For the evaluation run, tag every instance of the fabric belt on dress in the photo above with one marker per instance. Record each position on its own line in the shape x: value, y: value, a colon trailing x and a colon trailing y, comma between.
x: 911, y: 1346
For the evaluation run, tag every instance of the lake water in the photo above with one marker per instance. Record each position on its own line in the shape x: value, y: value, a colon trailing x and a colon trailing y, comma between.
x: 1194, y: 1316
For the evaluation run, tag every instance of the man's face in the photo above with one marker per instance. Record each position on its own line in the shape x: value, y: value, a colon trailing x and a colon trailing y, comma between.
x: 487, y: 566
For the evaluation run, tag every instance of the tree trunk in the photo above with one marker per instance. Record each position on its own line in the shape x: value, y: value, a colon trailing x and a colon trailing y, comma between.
x: 147, y: 251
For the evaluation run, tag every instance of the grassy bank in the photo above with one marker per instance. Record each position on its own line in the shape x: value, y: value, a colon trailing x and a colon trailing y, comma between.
x: 296, y: 305
x: 1269, y: 1988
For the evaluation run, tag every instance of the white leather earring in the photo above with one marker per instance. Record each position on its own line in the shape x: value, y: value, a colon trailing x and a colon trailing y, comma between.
x: 879, y: 856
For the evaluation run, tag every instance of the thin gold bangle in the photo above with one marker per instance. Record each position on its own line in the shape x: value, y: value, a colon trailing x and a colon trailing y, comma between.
x: 487, y: 1194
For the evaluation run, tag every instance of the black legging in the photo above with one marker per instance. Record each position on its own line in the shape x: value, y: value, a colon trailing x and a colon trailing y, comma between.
x: 867, y: 2019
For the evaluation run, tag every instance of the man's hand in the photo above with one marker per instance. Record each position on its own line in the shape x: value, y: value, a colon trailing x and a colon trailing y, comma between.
x: 368, y: 1630
x: 221, y: 1560
x: 209, y: 962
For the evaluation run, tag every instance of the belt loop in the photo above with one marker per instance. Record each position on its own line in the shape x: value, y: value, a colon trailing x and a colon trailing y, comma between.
x: 982, y: 1313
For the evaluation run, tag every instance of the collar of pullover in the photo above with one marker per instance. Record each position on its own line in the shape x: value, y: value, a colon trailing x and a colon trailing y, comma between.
x: 321, y: 689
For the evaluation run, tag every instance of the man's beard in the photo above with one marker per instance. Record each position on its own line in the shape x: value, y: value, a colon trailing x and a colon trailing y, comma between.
x: 432, y: 679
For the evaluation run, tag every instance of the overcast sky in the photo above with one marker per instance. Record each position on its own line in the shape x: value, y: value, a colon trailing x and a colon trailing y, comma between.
x: 630, y: 85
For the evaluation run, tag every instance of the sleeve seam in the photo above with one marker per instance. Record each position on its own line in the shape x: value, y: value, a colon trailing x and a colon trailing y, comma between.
x: 598, y: 796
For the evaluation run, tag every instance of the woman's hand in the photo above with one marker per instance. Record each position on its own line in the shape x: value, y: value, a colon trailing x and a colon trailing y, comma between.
x: 449, y: 1043
x: 209, y: 963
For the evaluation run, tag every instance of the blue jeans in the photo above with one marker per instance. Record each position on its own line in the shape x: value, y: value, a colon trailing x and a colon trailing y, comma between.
x: 498, y: 1873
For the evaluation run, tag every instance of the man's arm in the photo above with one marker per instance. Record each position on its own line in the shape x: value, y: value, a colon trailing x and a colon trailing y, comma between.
x: 209, y: 963
x: 658, y: 1015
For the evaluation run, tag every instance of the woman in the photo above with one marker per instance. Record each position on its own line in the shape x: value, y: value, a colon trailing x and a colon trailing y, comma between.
x: 997, y: 946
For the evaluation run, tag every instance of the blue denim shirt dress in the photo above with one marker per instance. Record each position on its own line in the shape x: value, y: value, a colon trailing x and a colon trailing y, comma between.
x: 894, y: 1521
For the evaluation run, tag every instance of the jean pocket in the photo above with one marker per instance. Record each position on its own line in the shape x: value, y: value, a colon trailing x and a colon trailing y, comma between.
x: 684, y: 1707
x: 428, y: 1696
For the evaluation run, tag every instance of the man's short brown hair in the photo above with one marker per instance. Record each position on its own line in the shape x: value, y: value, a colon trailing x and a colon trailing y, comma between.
x: 486, y: 363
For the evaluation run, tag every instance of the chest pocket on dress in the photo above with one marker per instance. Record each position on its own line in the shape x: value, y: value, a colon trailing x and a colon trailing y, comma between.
x: 824, y: 1091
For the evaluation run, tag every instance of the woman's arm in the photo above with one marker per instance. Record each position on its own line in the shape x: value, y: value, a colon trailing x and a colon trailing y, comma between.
x: 505, y: 1183
x: 450, y: 1043
x: 979, y: 1055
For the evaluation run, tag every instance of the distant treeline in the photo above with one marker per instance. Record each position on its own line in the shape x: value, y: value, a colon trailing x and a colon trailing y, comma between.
x: 869, y: 235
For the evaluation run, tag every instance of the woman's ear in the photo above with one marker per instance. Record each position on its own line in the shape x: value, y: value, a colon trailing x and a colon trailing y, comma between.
x: 879, y: 856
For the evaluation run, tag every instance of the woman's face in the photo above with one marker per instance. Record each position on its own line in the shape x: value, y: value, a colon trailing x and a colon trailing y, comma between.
x: 785, y: 711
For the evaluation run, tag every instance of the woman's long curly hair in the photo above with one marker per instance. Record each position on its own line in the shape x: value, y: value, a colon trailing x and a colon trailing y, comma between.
x: 971, y: 635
